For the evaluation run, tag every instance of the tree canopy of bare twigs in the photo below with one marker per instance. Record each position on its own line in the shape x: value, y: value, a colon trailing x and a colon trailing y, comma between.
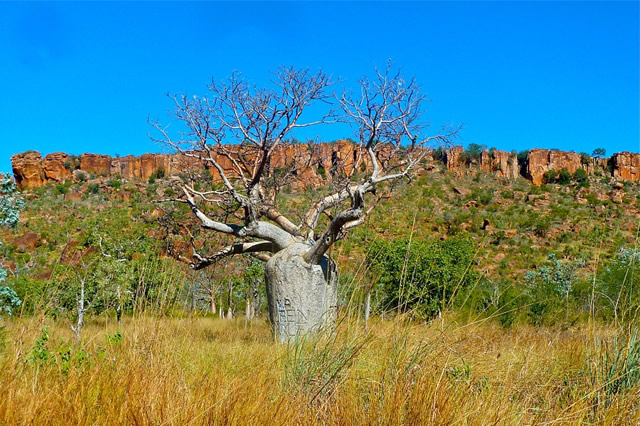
x: 236, y: 130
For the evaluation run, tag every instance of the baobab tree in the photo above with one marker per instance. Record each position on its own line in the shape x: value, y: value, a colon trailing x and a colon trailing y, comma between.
x: 237, y: 131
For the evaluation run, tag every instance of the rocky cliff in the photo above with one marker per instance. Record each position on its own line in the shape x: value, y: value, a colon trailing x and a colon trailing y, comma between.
x: 502, y: 163
x: 626, y: 166
x: 314, y: 164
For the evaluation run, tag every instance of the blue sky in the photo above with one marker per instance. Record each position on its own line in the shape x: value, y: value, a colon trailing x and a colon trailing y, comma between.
x: 83, y: 77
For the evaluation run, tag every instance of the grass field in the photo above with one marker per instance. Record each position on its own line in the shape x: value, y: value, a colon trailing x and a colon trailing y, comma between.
x: 211, y: 371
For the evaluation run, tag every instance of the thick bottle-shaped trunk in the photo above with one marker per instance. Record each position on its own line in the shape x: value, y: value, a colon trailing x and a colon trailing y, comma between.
x: 302, y: 297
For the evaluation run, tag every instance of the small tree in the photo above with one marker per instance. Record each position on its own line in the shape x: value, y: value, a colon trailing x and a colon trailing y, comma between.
x: 11, y: 204
x: 548, y: 285
x: 599, y: 152
x: 236, y: 129
x: 473, y: 152
x: 422, y: 277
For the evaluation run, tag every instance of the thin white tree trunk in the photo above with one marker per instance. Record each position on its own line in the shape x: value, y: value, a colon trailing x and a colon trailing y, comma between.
x: 367, y: 308
x: 77, y: 330
x: 230, y: 302
x: 213, y: 302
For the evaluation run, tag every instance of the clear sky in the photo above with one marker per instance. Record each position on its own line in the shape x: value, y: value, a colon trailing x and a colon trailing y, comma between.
x: 84, y: 77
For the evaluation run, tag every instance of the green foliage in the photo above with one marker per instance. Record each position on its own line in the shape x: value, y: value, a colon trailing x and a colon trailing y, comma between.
x: 115, y: 183
x: 9, y: 300
x: 40, y: 353
x: 11, y: 204
x: 316, y: 364
x: 473, y: 152
x: 585, y: 158
x: 63, y: 355
x: 550, y: 176
x: 159, y: 174
x: 522, y: 156
x: 485, y: 197
x: 81, y: 176
x: 599, y: 152
x: 618, y: 286
x: 93, y: 188
x: 564, y: 177
x: 549, y: 288
x: 62, y: 188
x: 614, y: 368
x: 422, y: 277
x: 580, y: 175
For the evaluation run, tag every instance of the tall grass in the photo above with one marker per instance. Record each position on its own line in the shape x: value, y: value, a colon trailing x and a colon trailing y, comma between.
x: 209, y: 371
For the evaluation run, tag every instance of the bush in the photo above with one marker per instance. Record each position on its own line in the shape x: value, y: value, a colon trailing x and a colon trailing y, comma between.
x: 158, y: 174
x: 93, y: 188
x: 549, y: 288
x: 422, y: 277
x: 9, y: 300
x: 550, y: 176
x: 115, y: 183
x: 61, y: 189
x: 473, y: 152
x: 564, y: 177
x: 618, y: 285
x: 580, y: 175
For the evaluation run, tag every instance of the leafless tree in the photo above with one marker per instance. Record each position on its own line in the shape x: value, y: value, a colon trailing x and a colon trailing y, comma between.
x: 237, y: 131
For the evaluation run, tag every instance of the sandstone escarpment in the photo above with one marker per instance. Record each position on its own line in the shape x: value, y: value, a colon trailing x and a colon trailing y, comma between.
x: 502, y: 163
x: 57, y: 167
x: 27, y: 169
x: 540, y: 161
x: 453, y: 158
x: 315, y: 164
x: 626, y: 166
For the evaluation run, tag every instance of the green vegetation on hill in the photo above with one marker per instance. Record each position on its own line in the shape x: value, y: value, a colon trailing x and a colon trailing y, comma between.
x: 125, y: 244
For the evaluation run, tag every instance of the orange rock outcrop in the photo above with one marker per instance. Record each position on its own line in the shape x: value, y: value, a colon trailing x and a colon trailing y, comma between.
x: 453, y: 158
x: 314, y: 164
x: 95, y: 163
x: 540, y: 161
x: 502, y: 163
x: 57, y: 167
x: 626, y: 166
x: 27, y: 169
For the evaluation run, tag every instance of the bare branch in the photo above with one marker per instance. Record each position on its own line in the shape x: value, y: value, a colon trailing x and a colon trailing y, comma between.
x: 258, y: 246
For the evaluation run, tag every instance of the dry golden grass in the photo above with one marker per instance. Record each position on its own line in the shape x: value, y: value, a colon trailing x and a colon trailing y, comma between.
x: 209, y: 371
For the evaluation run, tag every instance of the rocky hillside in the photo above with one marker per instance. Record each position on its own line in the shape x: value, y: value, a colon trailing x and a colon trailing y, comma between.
x: 33, y: 171
x: 514, y: 223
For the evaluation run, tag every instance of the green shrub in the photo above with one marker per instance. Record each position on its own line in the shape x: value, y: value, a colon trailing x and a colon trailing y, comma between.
x: 550, y: 176
x: 61, y: 188
x: 473, y: 152
x: 422, y: 277
x: 580, y: 175
x: 549, y: 288
x: 564, y: 177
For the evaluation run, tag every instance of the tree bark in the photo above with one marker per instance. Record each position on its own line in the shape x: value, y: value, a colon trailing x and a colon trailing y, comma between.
x: 302, y: 297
